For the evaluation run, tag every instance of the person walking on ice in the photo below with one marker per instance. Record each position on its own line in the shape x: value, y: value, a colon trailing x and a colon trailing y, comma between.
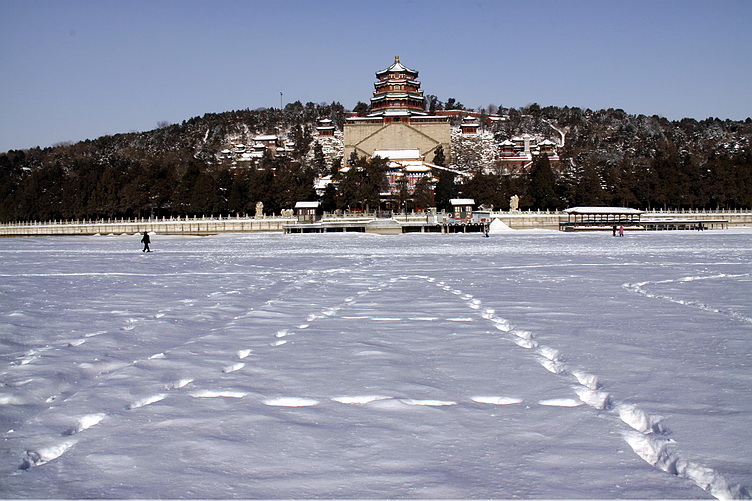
x: 146, y: 240
x: 621, y: 230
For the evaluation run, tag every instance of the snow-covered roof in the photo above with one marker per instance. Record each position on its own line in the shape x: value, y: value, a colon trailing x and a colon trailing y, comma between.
x: 265, y: 138
x: 462, y: 201
x: 391, y: 95
x: 307, y: 205
x: 602, y: 210
x: 398, y: 154
x: 249, y: 155
x: 396, y: 67
x: 382, y: 83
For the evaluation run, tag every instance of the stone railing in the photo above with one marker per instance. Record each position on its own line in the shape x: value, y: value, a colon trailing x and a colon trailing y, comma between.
x: 209, y: 225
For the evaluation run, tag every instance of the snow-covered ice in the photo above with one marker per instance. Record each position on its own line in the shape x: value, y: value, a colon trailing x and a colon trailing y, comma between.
x: 531, y: 364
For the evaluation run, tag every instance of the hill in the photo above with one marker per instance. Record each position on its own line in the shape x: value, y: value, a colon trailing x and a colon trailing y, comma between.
x: 607, y: 157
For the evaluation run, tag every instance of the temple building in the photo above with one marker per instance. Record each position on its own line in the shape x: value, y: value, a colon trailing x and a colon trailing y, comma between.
x: 516, y: 155
x: 398, y: 120
x: 397, y: 93
x: 405, y: 168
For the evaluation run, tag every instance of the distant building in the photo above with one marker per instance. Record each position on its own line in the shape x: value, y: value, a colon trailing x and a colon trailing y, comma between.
x: 516, y: 155
x: 306, y: 211
x: 397, y: 120
x: 462, y: 209
x: 469, y: 125
x: 406, y: 168
x: 397, y: 93
x: 325, y: 128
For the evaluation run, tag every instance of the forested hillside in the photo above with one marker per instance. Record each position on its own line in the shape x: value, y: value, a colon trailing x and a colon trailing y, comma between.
x: 608, y: 158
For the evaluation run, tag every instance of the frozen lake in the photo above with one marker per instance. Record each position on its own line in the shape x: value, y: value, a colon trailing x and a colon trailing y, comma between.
x: 530, y: 364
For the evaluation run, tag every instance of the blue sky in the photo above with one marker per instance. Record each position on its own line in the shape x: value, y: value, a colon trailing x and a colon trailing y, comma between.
x: 74, y: 69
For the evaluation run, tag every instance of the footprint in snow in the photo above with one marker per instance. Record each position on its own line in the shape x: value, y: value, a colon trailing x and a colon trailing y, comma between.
x: 290, y: 402
x: 46, y: 454
x: 217, y: 394
x: 147, y: 401
x: 362, y: 399
x: 560, y: 402
x: 427, y: 403
x: 85, y: 422
x: 180, y: 383
x: 496, y: 400
x: 233, y: 367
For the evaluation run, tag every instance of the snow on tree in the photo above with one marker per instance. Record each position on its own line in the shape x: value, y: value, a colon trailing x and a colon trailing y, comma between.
x: 473, y: 152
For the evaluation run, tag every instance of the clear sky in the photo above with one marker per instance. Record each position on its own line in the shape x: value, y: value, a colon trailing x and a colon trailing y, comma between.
x: 78, y: 69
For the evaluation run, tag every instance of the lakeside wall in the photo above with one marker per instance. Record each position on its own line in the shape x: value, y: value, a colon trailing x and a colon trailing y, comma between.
x: 517, y: 220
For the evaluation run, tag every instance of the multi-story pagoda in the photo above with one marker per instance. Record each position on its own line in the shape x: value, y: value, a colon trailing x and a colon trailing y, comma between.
x: 397, y: 120
x: 397, y: 93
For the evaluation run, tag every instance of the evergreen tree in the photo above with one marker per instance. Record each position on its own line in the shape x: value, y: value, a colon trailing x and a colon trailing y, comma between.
x: 487, y: 189
x: 347, y: 193
x: 438, y: 157
x: 445, y: 190
x: 403, y: 194
x: 361, y: 109
x: 453, y: 104
x: 336, y: 166
x: 373, y: 183
x: 353, y: 160
x: 237, y: 198
x: 319, y: 160
x: 542, y: 182
x: 329, y: 199
x: 423, y: 195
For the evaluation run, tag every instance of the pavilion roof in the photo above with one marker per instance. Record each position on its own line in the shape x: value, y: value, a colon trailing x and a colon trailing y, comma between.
x: 603, y: 210
x: 397, y: 67
x: 307, y: 205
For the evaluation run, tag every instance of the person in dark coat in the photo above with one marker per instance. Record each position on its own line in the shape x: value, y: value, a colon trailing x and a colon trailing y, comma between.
x: 146, y: 240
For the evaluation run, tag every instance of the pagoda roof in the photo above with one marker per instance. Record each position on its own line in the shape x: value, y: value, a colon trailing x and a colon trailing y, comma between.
x: 382, y: 83
x: 397, y: 67
x: 396, y: 95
